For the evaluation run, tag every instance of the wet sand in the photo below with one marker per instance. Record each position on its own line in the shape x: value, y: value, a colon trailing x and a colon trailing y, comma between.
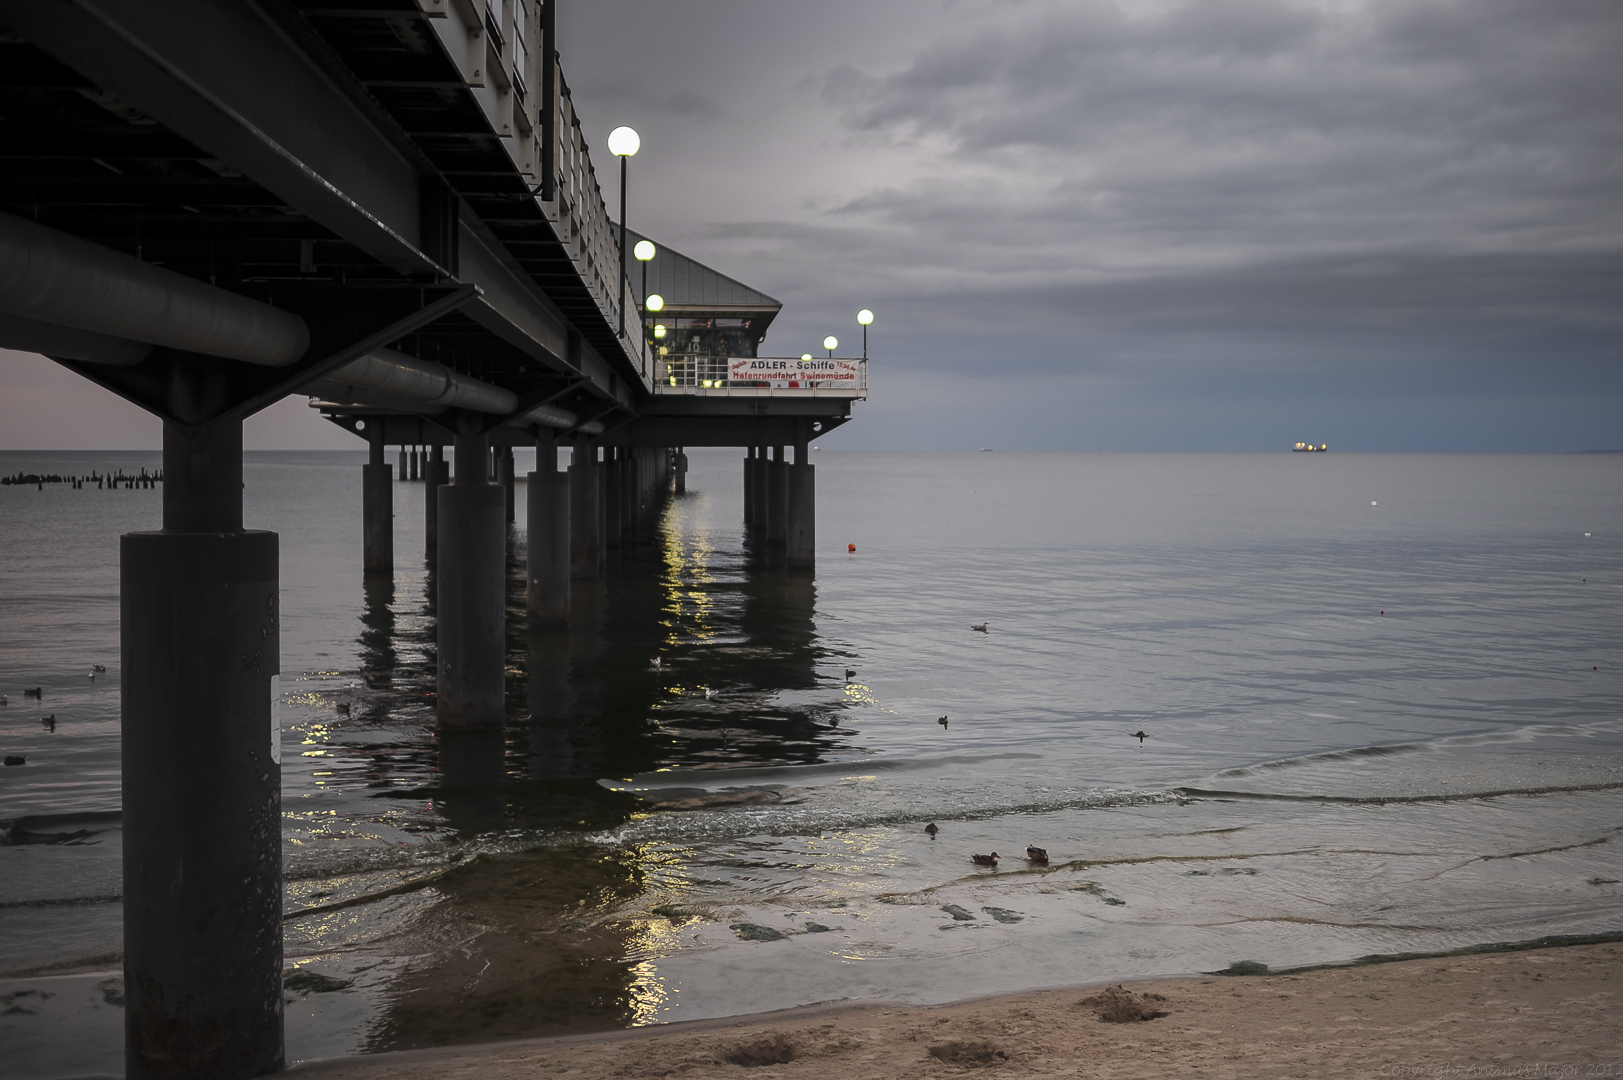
x: 1535, y: 1013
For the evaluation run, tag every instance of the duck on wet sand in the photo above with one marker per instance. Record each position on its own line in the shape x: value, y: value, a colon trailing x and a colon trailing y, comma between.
x: 49, y: 722
x: 850, y: 673
x: 984, y: 860
x: 942, y: 721
x: 1140, y: 736
x: 35, y: 691
x: 982, y: 627
x: 1037, y: 855
x: 98, y: 667
x: 931, y: 828
x: 16, y: 759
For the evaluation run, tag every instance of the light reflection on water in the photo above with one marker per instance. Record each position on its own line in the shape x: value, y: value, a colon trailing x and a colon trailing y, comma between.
x: 526, y: 871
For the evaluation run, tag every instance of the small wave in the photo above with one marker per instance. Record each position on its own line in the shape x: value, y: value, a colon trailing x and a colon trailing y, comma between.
x: 63, y: 901
x: 1352, y: 754
x: 815, y: 817
x: 693, y: 778
x: 65, y: 827
x: 1381, y: 800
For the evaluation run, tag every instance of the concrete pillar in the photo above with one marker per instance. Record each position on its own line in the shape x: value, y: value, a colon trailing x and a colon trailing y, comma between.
x: 631, y: 494
x: 436, y: 471
x: 472, y: 608
x: 505, y: 477
x: 377, y: 506
x: 414, y: 473
x: 613, y: 501
x: 681, y: 469
x: 585, y: 514
x: 402, y: 473
x: 802, y: 525
x: 762, y: 511
x: 202, y: 776
x: 777, y: 499
x: 548, y: 537
x: 749, y: 486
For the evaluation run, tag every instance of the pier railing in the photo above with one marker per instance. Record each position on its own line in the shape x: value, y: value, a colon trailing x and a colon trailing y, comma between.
x: 762, y: 376
x: 507, y: 55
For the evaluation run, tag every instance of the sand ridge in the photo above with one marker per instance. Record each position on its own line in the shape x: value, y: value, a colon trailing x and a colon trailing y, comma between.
x: 1538, y: 1013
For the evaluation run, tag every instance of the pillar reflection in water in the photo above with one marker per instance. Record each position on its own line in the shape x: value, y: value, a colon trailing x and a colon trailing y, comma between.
x: 546, y: 928
x: 377, y: 638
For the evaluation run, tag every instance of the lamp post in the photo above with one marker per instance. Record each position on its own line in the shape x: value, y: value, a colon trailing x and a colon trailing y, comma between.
x: 865, y: 317
x: 623, y: 144
x: 831, y: 343
x: 643, y: 252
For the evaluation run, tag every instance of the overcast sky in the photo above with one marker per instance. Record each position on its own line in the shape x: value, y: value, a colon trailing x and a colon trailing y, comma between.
x: 1124, y: 224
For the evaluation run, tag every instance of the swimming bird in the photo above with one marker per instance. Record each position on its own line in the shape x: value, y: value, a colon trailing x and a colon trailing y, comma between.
x: 943, y: 722
x: 981, y: 627
x: 709, y: 692
x: 91, y: 676
x: 15, y: 759
x: 984, y: 860
x: 3, y: 701
x: 931, y: 828
x: 1037, y: 855
x: 834, y: 721
x: 98, y: 667
x: 654, y: 662
x: 850, y: 673
x: 343, y: 708
x: 49, y: 721
x: 1140, y: 735
x: 35, y: 691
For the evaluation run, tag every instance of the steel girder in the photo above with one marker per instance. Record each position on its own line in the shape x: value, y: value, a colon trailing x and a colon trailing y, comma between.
x: 223, y: 75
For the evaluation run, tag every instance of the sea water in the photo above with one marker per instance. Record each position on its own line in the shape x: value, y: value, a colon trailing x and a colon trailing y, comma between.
x: 1381, y: 695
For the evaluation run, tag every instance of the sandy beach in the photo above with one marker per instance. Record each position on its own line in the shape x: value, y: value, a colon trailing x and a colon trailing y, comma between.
x: 1533, y: 1013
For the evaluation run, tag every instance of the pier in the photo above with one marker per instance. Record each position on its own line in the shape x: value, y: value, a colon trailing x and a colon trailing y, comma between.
x: 389, y: 208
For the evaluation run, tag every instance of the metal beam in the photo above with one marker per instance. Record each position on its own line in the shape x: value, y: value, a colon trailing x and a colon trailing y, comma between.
x: 517, y: 311
x: 226, y: 77
x: 354, y: 351
x: 720, y: 430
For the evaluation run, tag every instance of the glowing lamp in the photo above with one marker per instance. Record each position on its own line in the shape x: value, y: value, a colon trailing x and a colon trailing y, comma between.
x: 645, y: 250
x: 831, y: 343
x: 865, y: 317
x: 659, y: 329
x: 655, y: 302
x: 624, y: 142
x: 805, y: 356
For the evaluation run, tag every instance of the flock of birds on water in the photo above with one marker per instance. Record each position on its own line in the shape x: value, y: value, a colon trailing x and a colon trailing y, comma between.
x: 47, y: 722
x: 1035, y: 855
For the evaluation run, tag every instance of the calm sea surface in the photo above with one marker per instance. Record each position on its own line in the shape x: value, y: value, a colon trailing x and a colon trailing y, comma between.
x: 1383, y: 696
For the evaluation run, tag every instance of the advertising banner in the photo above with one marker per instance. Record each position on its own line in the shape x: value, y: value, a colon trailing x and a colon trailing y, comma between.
x: 794, y: 374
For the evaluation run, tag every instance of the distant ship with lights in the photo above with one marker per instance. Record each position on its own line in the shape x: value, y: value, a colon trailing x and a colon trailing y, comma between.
x: 1309, y: 448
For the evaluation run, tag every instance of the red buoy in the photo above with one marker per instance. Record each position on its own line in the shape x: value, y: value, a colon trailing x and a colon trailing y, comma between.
x: 852, y: 548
